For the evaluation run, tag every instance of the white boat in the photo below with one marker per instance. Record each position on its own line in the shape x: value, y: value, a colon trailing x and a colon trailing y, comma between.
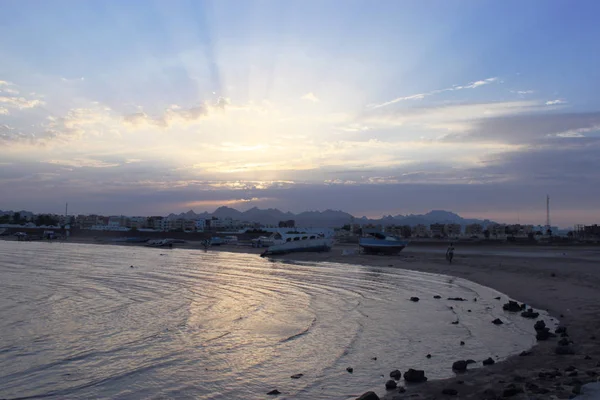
x: 297, y: 242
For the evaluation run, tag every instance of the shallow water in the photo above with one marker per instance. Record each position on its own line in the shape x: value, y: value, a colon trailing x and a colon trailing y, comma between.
x: 77, y: 322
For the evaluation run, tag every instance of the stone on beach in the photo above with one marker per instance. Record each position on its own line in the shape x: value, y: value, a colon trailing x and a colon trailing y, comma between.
x: 512, y: 306
x: 460, y: 365
x: 297, y: 376
x: 564, y: 350
x: 437, y: 297
x: 368, y: 396
x: 497, y: 321
x: 539, y: 325
x: 391, y: 384
x: 489, y: 361
x: 350, y: 369
x: 396, y: 374
x: 414, y: 298
x: 456, y: 299
x: 530, y: 314
x: 274, y: 392
x: 415, y: 375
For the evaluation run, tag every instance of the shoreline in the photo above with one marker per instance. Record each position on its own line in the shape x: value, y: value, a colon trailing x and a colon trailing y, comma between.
x: 564, y: 282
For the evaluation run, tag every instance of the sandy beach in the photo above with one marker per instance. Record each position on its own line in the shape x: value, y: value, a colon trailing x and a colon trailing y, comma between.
x: 565, y: 281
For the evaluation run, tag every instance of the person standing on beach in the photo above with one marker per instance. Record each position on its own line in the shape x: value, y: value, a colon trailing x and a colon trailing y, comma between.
x: 450, y: 253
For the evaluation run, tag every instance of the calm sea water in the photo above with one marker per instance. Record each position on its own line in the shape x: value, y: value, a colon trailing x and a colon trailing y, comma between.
x: 77, y: 322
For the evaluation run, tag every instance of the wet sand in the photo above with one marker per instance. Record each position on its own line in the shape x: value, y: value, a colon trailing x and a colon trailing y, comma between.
x: 565, y: 281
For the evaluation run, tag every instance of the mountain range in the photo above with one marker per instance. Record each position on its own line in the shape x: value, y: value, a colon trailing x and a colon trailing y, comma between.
x: 330, y: 218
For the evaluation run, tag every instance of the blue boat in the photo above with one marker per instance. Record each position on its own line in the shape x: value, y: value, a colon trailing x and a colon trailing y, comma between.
x: 378, y: 242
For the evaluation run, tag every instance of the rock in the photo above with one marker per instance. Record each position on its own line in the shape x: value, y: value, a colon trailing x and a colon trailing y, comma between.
x: 415, y: 299
x: 274, y: 392
x: 460, y: 365
x: 544, y: 334
x: 592, y: 337
x: 512, y: 306
x: 570, y: 368
x: 576, y: 389
x: 454, y: 322
x: 368, y: 396
x: 391, y: 384
x: 497, y: 298
x: 560, y: 330
x: 587, y: 358
x: 469, y: 361
x: 297, y: 376
x: 374, y: 358
x: 564, y: 350
x: 396, y: 374
x: 350, y: 369
x: 497, y: 321
x: 437, y: 297
x: 401, y: 389
x: 450, y: 392
x: 456, y: 299
x: 462, y: 343
x: 468, y: 310
x: 539, y: 325
x: 415, y: 375
x: 530, y: 314
x: 489, y: 394
x: 428, y: 356
x: 489, y: 361
x: 131, y: 266
x: 574, y: 373
x: 475, y: 299
x: 553, y: 275
x: 525, y: 353
x: 591, y: 373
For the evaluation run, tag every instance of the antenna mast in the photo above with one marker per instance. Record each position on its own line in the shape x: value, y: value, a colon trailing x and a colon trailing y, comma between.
x: 547, y: 212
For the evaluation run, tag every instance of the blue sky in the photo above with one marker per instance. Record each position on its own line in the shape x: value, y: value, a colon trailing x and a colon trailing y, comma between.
x: 140, y: 107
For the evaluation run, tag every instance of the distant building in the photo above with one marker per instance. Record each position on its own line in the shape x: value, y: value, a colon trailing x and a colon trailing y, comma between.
x: 287, y: 224
x: 587, y: 231
x: 452, y: 230
x: 473, y: 230
x: 497, y: 230
x: 420, y: 230
x: 200, y: 225
x: 437, y: 230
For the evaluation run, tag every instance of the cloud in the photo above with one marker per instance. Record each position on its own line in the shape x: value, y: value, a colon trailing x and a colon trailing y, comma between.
x: 310, y: 97
x: 421, y: 96
x: 173, y: 115
x: 5, y: 83
x: 21, y: 102
x: 522, y: 92
x: 555, y: 102
x: 3, y: 111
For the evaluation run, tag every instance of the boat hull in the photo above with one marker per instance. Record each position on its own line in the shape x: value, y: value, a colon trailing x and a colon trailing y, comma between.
x: 378, y: 246
x: 311, y: 245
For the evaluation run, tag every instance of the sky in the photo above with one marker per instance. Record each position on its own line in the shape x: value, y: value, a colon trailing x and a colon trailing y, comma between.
x: 375, y: 108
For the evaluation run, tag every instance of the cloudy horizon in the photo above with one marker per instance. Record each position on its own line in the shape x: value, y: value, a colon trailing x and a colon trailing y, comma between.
x: 148, y: 108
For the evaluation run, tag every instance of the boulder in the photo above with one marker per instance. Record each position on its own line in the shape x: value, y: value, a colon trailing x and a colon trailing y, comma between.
x: 460, y: 365
x: 391, y: 384
x: 437, y: 297
x: 415, y: 375
x: 350, y: 369
x: 497, y: 321
x: 489, y: 361
x: 564, y: 342
x: 368, y: 396
x: 512, y: 306
x: 428, y: 356
x: 454, y: 322
x: 561, y: 330
x: 450, y: 392
x: 530, y: 314
x: 297, y: 376
x: 462, y: 343
x: 396, y: 374
x: 414, y: 298
x: 456, y: 299
x: 274, y: 392
x: 539, y: 325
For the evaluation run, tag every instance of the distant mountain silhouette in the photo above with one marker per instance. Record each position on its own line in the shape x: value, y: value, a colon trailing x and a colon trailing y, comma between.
x: 330, y: 218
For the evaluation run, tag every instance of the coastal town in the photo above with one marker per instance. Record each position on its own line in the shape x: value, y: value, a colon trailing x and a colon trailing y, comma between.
x: 24, y: 221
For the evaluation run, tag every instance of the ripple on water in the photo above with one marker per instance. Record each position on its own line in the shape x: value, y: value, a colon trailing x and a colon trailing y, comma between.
x: 77, y: 322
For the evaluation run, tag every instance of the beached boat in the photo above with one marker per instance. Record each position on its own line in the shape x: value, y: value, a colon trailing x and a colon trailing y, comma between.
x: 378, y: 242
x: 303, y: 242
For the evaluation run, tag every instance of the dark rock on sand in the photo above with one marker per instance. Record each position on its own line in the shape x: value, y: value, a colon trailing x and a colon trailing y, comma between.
x: 460, y: 365
x: 297, y: 376
x: 489, y: 394
x: 374, y: 358
x: 350, y: 369
x: 489, y: 361
x: 454, y: 322
x: 539, y: 325
x: 415, y: 299
x: 462, y: 343
x: 512, y: 306
x: 396, y: 374
x: 497, y: 321
x: 587, y: 358
x: 391, y: 384
x: 574, y: 373
x: 497, y: 298
x: 561, y: 330
x: 564, y: 342
x: 428, y: 356
x: 564, y: 350
x: 450, y: 392
x: 511, y: 391
x: 469, y: 361
x: 274, y: 392
x: 368, y: 396
x: 401, y: 389
x: 415, y: 375
x: 544, y: 334
x: 570, y: 368
x: 456, y: 299
x: 530, y: 314
x: 437, y: 297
